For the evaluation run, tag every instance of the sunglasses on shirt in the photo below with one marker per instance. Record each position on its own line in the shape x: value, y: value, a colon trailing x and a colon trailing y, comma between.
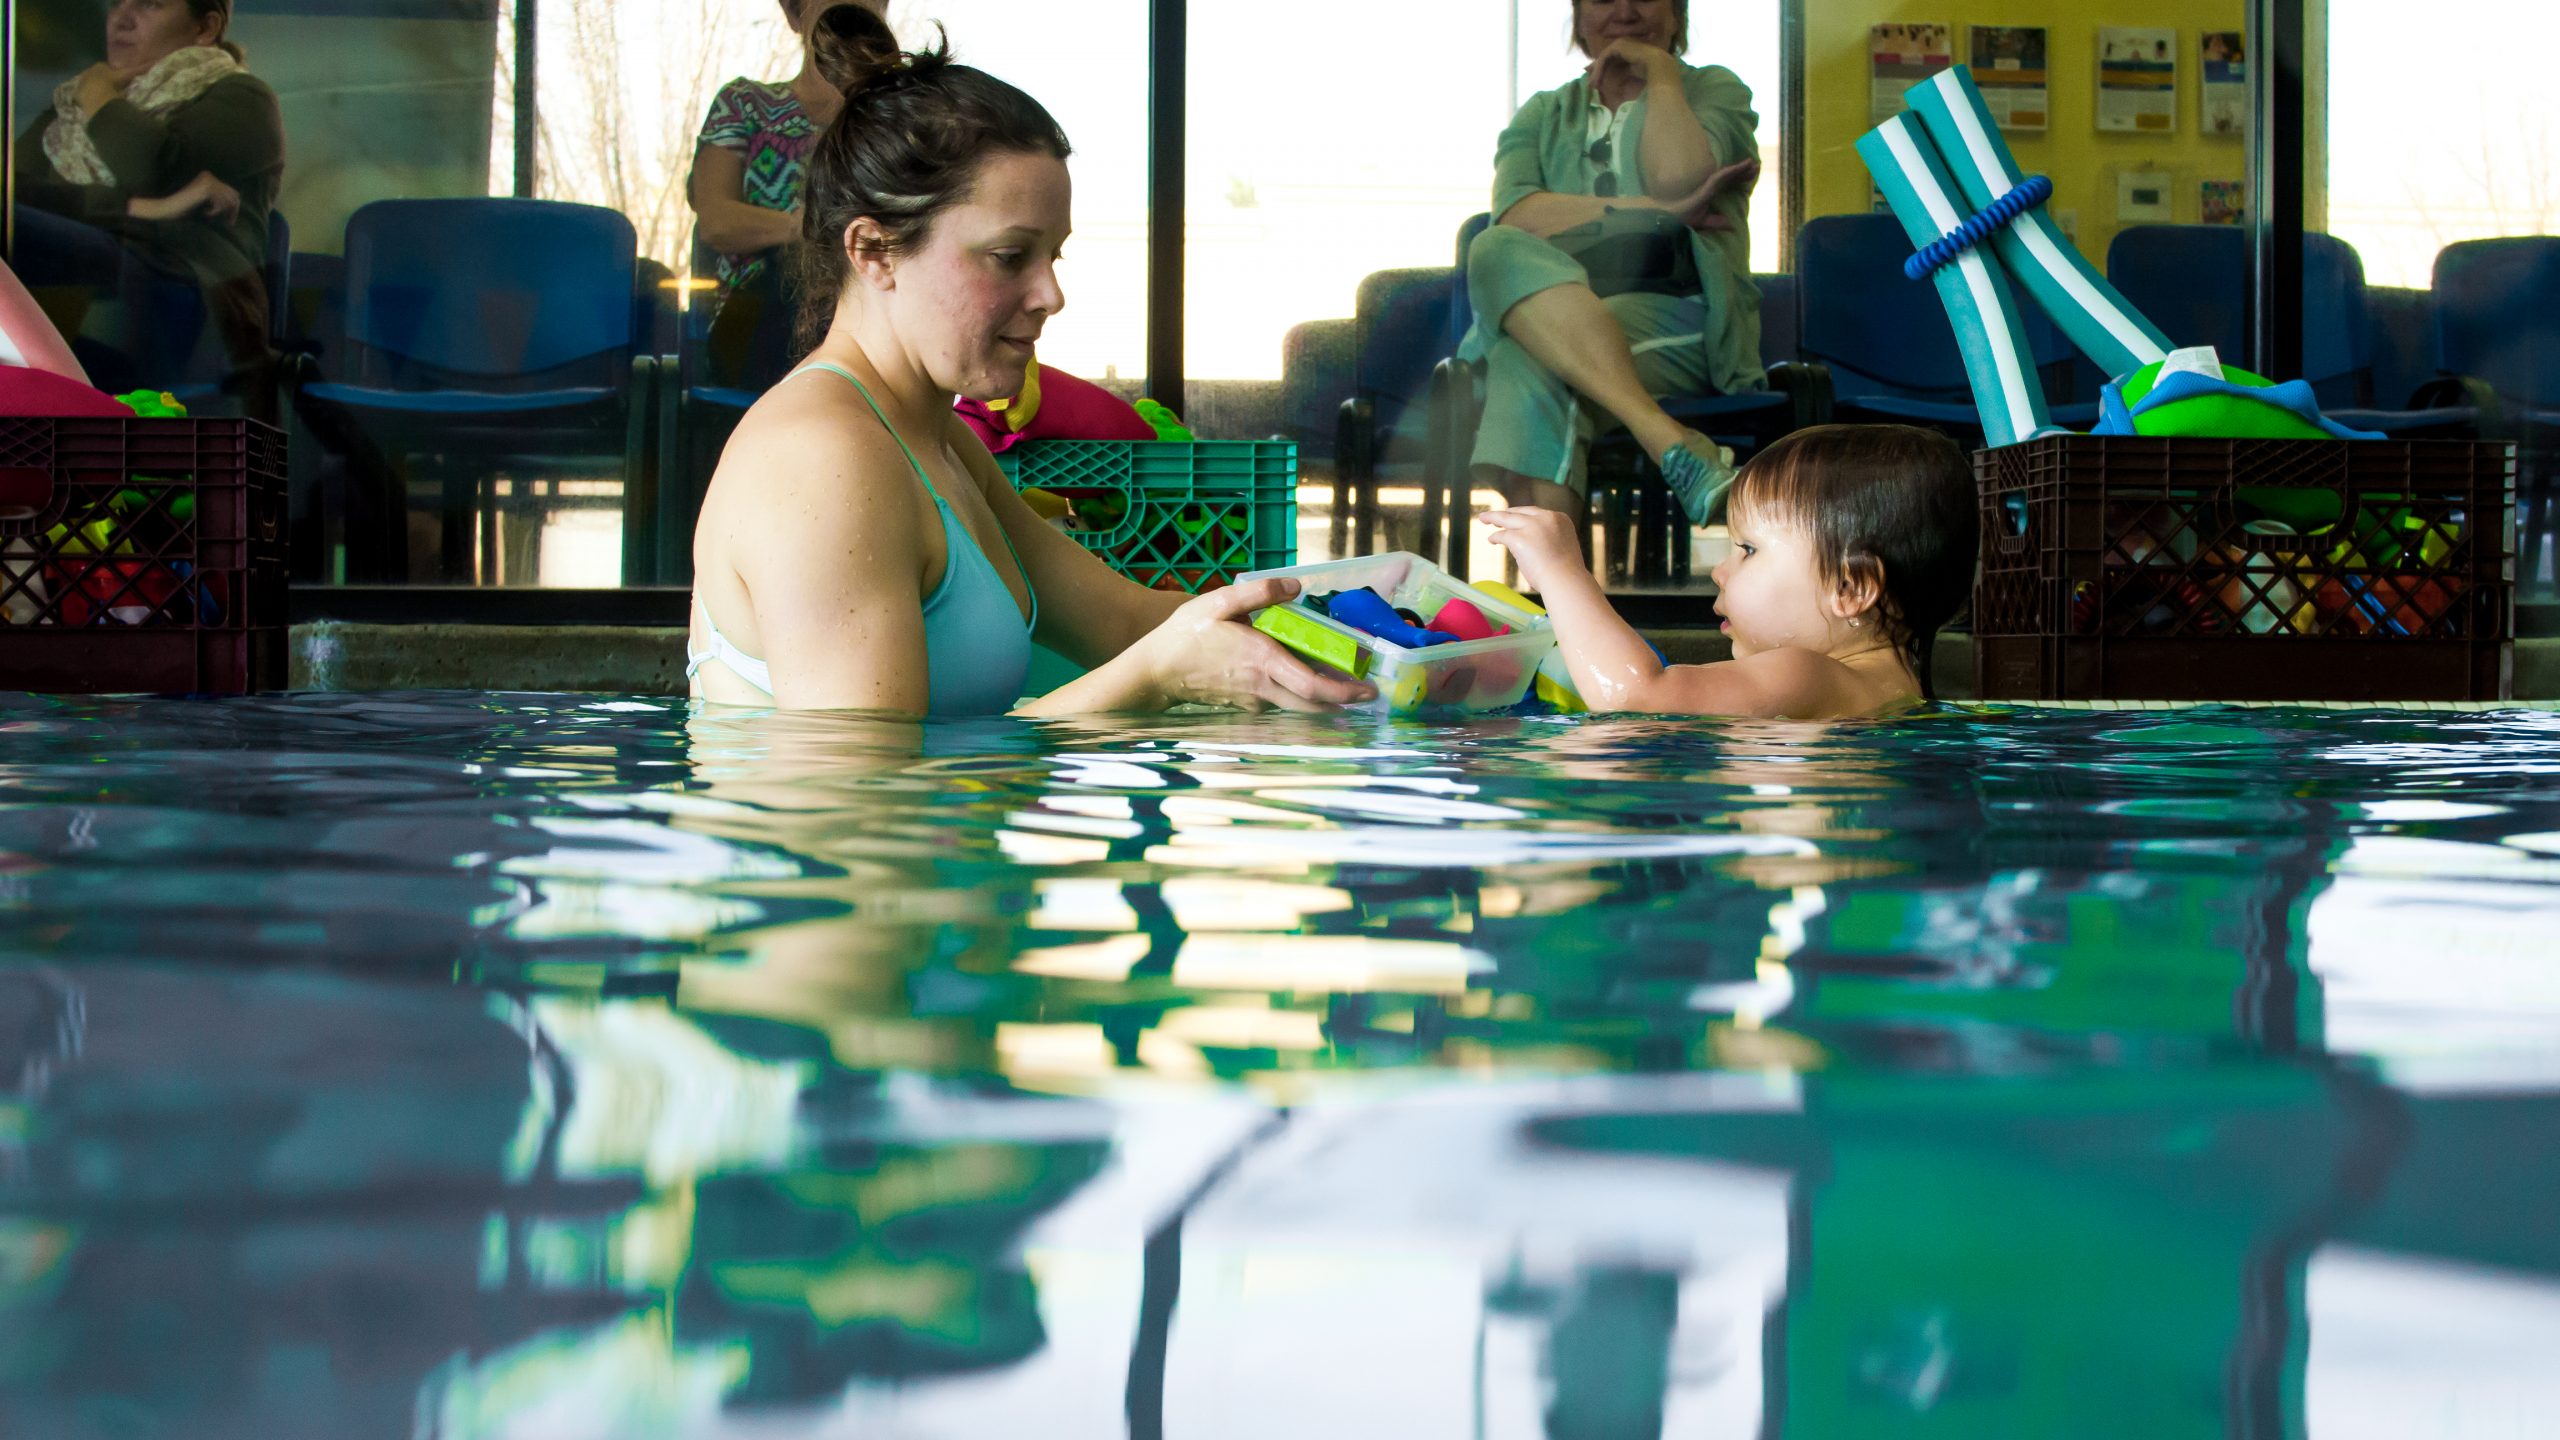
x: 1604, y: 186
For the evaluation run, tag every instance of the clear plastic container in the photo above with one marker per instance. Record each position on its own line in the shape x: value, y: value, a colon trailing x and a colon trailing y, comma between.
x: 1469, y: 675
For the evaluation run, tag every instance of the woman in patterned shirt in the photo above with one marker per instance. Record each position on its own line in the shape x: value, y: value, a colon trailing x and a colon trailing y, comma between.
x: 747, y: 174
x: 747, y: 169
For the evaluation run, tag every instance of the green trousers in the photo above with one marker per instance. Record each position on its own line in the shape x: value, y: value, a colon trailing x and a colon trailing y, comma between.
x: 1534, y: 424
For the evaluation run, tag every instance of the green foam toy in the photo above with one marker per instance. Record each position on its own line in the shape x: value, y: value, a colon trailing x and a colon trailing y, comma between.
x: 2237, y: 417
x: 1168, y: 426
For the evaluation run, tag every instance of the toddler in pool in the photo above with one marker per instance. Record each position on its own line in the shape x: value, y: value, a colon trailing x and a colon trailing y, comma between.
x: 1852, y: 544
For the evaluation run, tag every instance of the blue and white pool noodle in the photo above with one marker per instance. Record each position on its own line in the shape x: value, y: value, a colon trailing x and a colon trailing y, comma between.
x: 1950, y: 179
x: 2089, y: 310
x: 1989, y: 326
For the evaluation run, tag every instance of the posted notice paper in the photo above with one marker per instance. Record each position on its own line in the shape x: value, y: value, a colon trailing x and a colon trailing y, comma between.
x: 2008, y: 68
x: 2138, y: 80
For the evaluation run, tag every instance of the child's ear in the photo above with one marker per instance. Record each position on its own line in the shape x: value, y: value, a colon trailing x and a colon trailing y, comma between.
x: 1861, y: 587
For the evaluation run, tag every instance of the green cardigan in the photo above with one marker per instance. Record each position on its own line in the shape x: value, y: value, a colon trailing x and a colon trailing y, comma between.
x: 1547, y: 147
x: 233, y: 129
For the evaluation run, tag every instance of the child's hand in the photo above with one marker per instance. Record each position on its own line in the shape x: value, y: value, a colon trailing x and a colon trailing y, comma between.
x: 1542, y: 542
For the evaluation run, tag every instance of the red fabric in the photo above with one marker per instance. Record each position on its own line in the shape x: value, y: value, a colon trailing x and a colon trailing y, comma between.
x: 38, y: 344
x: 1070, y: 409
x: 26, y: 393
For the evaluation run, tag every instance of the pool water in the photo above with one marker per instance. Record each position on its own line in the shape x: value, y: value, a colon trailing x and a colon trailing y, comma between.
x: 512, y: 1066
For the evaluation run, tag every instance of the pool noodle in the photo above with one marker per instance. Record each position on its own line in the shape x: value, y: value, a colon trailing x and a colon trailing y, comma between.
x: 1973, y: 286
x: 2096, y: 317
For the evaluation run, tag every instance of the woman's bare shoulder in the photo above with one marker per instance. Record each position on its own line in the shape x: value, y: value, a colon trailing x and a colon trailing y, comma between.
x: 807, y: 458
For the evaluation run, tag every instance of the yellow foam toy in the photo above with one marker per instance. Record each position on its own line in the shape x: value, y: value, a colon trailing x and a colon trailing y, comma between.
x: 1555, y: 678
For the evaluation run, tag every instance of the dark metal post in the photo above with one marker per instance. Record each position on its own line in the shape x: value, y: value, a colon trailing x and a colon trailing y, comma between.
x: 1168, y: 74
x: 2276, y: 34
x: 9, y: 118
x: 526, y: 113
x: 1790, y: 130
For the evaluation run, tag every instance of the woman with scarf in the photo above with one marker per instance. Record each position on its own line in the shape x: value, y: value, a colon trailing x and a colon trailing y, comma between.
x: 172, y: 148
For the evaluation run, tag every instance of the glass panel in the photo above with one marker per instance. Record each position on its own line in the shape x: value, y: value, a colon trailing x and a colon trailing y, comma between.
x: 397, y: 99
x: 1353, y: 209
x: 2415, y: 197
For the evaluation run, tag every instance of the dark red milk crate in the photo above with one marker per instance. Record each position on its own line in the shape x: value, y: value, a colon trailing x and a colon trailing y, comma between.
x: 2133, y: 568
x: 142, y: 556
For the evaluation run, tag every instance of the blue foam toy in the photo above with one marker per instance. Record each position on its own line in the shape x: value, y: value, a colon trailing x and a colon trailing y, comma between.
x: 1367, y: 610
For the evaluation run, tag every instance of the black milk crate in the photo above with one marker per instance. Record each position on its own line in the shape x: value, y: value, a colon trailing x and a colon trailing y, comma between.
x: 142, y: 556
x: 2138, y: 568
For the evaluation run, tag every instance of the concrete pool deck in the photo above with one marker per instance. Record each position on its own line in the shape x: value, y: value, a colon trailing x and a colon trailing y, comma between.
x: 649, y: 660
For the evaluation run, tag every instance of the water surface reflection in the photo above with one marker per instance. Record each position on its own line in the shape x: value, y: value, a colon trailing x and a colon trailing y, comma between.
x: 548, y: 1066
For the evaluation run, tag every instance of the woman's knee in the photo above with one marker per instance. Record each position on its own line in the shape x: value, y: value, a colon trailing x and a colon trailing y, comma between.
x: 1506, y: 265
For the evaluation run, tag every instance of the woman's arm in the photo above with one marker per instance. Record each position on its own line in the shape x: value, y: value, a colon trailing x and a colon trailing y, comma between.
x: 1144, y: 649
x: 1677, y: 152
x: 1088, y: 611
x: 834, y: 565
x: 728, y: 223
x: 1548, y: 212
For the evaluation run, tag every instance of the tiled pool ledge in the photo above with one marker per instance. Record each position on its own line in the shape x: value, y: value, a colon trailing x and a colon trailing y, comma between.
x: 633, y: 660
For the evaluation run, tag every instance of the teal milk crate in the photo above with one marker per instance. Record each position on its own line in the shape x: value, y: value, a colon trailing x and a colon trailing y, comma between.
x: 1172, y: 515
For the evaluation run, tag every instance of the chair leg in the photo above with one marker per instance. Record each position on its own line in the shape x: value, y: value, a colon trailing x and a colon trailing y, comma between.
x: 456, y: 494
x: 1338, y: 525
x: 1614, y: 534
x: 1652, y: 559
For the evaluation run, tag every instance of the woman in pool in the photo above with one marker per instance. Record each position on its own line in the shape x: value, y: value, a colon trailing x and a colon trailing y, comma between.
x: 1852, y: 544
x: 858, y: 547
x: 1618, y: 269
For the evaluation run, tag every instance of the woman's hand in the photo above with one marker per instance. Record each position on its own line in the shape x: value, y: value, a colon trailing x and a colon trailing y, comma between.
x: 1542, y: 543
x: 206, y: 193
x: 1697, y: 209
x: 100, y: 84
x: 1623, y: 69
x: 1208, y: 653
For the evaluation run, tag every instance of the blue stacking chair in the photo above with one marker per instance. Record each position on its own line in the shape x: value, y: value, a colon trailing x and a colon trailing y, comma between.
x: 2498, y: 342
x: 2193, y: 282
x: 2498, y: 322
x: 480, y: 333
x: 1644, y: 523
x: 1405, y: 322
x: 700, y: 403
x: 1886, y: 338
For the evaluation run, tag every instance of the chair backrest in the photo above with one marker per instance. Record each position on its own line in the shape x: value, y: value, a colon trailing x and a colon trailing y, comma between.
x: 2193, y: 281
x: 2498, y: 315
x: 1879, y: 332
x: 490, y: 292
x: 2190, y: 280
x: 1407, y: 323
x: 1777, y: 318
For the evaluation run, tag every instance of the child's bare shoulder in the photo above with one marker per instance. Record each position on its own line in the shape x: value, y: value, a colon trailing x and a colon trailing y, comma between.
x: 1792, y: 683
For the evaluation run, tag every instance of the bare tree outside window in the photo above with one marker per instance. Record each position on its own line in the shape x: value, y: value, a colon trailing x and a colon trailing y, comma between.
x: 624, y: 87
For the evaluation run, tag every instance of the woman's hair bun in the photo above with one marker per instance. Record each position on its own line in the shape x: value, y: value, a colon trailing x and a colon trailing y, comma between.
x: 853, y: 48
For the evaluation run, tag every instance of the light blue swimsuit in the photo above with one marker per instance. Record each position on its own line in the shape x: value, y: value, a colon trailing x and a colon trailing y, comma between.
x: 977, y: 646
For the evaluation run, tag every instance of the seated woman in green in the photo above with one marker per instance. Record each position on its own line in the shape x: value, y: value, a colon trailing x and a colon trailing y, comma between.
x: 1618, y: 269
x: 846, y: 557
x: 167, y: 150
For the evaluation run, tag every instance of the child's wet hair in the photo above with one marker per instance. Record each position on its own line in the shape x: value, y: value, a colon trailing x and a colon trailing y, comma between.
x: 907, y: 146
x: 1888, y: 504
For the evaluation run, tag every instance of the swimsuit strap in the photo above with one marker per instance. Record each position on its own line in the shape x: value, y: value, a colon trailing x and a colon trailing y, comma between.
x: 938, y: 502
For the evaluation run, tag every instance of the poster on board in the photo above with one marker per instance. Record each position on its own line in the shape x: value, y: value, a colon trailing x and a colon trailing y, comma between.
x: 2008, y: 68
x: 2224, y: 93
x: 2138, y: 80
x: 1899, y: 57
x: 2224, y: 202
